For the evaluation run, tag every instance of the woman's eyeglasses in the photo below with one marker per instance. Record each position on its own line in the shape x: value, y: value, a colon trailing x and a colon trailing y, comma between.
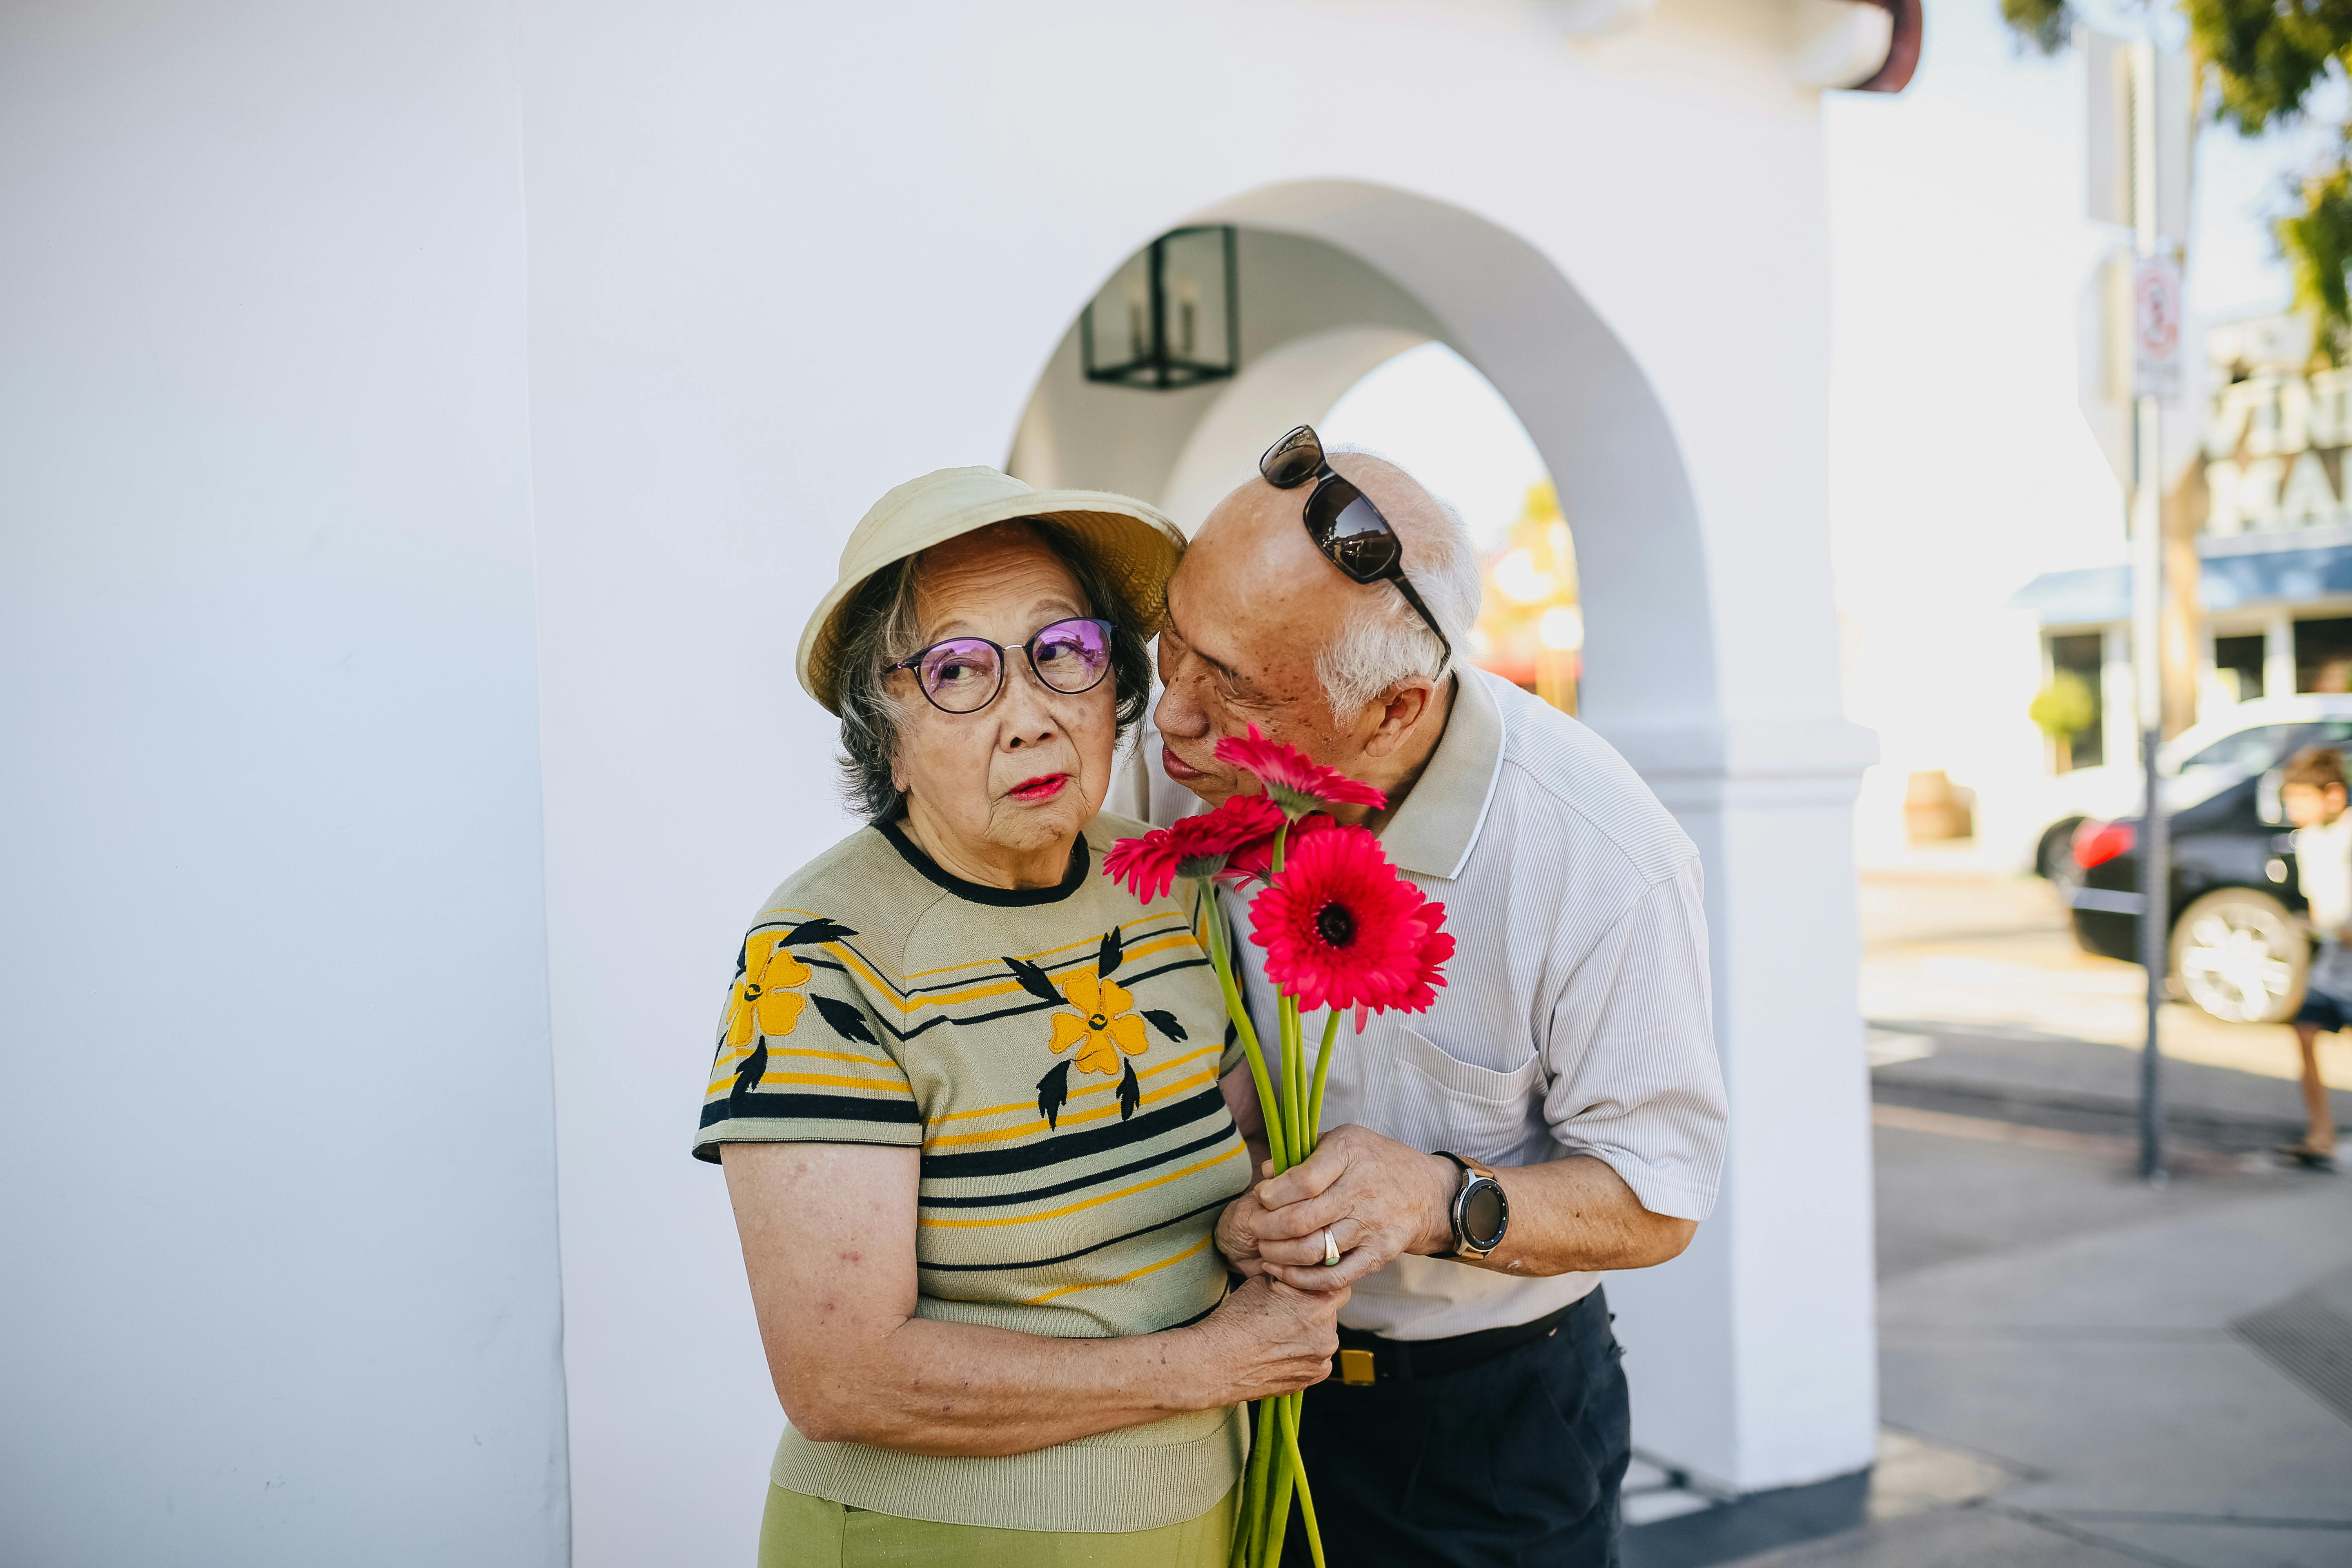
x: 1343, y: 523
x: 963, y: 675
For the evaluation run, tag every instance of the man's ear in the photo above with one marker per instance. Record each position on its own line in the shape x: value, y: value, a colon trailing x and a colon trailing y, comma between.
x: 1402, y: 711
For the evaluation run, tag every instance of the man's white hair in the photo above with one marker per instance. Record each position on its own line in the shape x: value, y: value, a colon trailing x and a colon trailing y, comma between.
x: 1383, y: 641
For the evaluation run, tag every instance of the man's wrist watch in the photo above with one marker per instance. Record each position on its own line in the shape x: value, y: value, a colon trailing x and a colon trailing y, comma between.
x: 1480, y: 1212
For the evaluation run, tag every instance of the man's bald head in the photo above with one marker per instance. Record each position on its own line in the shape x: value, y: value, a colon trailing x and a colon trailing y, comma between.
x: 1267, y: 630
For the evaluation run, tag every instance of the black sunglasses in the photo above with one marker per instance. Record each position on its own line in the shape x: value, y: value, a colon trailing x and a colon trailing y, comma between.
x: 1343, y: 523
x: 963, y: 675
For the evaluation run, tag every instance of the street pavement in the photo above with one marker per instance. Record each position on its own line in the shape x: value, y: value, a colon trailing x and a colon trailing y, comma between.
x: 2080, y: 1370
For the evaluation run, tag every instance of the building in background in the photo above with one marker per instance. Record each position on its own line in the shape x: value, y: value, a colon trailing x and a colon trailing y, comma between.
x: 1531, y: 630
x: 1980, y: 447
x: 2273, y: 542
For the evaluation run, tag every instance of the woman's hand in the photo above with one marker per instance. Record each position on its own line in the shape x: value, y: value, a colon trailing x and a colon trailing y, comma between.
x: 1267, y: 1339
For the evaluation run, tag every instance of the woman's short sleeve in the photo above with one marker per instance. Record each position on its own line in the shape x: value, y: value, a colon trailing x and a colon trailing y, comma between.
x: 801, y: 1056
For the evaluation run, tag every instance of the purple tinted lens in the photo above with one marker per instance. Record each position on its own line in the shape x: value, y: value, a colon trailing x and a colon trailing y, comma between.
x: 1071, y: 656
x: 960, y: 675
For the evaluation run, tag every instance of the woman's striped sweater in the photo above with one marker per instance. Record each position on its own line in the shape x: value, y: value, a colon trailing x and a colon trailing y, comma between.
x: 1054, y: 1054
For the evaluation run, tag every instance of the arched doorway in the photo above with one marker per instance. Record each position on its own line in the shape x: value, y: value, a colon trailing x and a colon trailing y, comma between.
x: 1753, y: 1355
x: 1336, y: 277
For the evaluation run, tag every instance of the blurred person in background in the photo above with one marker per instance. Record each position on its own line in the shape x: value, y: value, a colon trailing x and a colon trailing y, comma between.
x: 2313, y: 793
x: 1557, y: 1112
x: 991, y: 1304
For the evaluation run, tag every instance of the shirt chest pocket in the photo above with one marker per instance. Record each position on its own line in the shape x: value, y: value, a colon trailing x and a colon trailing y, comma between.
x: 1437, y: 1101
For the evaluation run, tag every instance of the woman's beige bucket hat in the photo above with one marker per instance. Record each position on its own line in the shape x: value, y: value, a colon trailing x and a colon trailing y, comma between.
x: 1132, y: 544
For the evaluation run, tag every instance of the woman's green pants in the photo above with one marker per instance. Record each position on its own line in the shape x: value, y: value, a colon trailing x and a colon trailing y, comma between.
x: 804, y: 1532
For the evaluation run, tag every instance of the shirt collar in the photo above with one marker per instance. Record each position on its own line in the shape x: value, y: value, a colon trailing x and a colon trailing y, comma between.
x: 1434, y: 830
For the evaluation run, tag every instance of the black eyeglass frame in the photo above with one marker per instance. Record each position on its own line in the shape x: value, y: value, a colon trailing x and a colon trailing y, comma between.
x: 1320, y: 516
x: 1004, y: 663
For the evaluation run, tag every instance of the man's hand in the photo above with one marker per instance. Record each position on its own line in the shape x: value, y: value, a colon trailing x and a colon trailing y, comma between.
x: 1379, y: 1198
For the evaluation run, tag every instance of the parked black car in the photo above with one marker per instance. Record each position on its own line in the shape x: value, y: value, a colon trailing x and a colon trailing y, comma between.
x: 2240, y: 944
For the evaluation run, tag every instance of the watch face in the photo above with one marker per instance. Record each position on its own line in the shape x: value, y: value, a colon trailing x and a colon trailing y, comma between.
x: 1482, y: 1214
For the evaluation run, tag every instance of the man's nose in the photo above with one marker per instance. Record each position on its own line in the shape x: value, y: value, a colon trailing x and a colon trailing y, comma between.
x: 1178, y: 713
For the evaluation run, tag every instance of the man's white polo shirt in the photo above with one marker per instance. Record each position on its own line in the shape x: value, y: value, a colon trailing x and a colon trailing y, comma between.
x: 1576, y: 1015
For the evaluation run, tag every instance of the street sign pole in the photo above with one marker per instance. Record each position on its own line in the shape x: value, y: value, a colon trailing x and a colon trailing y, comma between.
x: 2157, y: 325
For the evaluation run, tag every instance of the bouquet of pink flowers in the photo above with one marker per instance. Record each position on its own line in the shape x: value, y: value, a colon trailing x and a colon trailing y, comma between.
x: 1342, y: 930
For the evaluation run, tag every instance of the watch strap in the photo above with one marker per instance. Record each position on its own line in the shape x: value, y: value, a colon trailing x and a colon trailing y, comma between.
x: 1470, y: 1170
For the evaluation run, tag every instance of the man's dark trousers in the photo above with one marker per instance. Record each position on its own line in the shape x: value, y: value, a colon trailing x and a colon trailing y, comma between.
x: 1512, y: 1463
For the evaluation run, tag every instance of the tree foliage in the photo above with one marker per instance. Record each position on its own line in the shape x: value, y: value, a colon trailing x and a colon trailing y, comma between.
x: 2064, y: 709
x: 2044, y: 23
x: 2269, y: 54
x: 2317, y: 243
x: 2265, y: 59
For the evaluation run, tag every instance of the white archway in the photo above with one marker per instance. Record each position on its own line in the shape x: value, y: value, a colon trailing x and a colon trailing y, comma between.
x: 1753, y: 1355
x: 1379, y: 271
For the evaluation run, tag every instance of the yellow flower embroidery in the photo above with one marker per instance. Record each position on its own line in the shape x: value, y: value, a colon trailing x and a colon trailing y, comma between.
x: 764, y: 1002
x: 1102, y: 1023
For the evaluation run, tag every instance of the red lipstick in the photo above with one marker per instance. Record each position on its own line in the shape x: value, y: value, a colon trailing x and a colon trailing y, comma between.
x: 1177, y: 768
x: 1043, y: 787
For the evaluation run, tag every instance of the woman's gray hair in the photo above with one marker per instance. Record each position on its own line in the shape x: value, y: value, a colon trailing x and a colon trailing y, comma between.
x: 1383, y: 641
x: 882, y: 627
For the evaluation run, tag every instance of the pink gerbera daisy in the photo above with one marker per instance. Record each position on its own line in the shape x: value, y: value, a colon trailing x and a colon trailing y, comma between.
x: 1254, y: 862
x: 1192, y: 845
x: 1342, y: 928
x: 1297, y: 782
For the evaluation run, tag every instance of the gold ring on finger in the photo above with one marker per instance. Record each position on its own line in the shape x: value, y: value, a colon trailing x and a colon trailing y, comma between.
x: 1330, y: 1249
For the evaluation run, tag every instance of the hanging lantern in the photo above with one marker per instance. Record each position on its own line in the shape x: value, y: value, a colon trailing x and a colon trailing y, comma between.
x: 1170, y: 318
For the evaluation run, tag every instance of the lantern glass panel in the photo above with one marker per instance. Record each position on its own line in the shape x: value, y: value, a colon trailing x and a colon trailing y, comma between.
x: 1167, y: 318
x: 1193, y: 278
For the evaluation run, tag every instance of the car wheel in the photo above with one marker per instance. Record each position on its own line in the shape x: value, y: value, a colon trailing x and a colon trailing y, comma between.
x: 2241, y: 956
x: 2055, y: 858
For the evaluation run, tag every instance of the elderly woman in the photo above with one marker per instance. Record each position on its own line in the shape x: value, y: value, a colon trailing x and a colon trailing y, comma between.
x: 966, y: 1091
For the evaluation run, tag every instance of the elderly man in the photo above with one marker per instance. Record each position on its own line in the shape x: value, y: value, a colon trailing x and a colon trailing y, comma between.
x: 1559, y: 1112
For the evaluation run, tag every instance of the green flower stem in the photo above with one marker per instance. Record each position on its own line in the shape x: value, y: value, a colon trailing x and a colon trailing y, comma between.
x: 1294, y: 1408
x: 1219, y: 960
x: 1291, y: 1117
x: 1249, y: 1521
x: 1287, y: 1016
x: 1322, y: 1069
x: 1294, y: 1097
x: 1285, y: 1471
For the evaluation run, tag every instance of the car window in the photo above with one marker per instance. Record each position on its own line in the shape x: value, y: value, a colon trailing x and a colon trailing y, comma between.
x: 2329, y: 732
x: 2253, y: 751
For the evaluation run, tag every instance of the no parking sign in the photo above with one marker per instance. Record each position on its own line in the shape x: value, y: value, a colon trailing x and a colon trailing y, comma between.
x: 2158, y: 311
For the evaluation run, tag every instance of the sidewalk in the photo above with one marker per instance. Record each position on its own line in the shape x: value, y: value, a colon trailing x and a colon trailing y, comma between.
x: 2077, y: 1370
x: 2177, y: 1390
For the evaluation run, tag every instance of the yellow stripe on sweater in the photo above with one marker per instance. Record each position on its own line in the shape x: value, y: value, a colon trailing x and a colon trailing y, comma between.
x: 981, y: 993
x: 1097, y: 1088
x: 1041, y: 1125
x: 1178, y: 915
x: 1091, y: 1203
x: 1191, y: 1251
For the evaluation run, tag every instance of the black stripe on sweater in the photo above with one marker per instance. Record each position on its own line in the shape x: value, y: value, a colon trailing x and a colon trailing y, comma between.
x: 1033, y: 1194
x: 1064, y: 1257
x: 1053, y: 1150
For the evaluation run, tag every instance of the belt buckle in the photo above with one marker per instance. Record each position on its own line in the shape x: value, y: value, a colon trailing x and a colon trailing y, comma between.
x: 1356, y: 1368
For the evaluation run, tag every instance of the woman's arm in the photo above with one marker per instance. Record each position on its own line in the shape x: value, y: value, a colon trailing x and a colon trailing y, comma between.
x: 828, y: 1233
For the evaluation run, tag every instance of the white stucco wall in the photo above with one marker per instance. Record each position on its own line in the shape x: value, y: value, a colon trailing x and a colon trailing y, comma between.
x: 276, y: 1195
x: 308, y: 460
x: 781, y: 261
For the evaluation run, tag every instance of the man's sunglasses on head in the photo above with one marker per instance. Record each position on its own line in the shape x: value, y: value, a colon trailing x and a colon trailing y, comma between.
x: 1343, y: 523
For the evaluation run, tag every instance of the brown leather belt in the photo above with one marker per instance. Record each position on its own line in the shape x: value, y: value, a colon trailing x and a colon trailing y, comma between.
x: 1367, y: 1358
